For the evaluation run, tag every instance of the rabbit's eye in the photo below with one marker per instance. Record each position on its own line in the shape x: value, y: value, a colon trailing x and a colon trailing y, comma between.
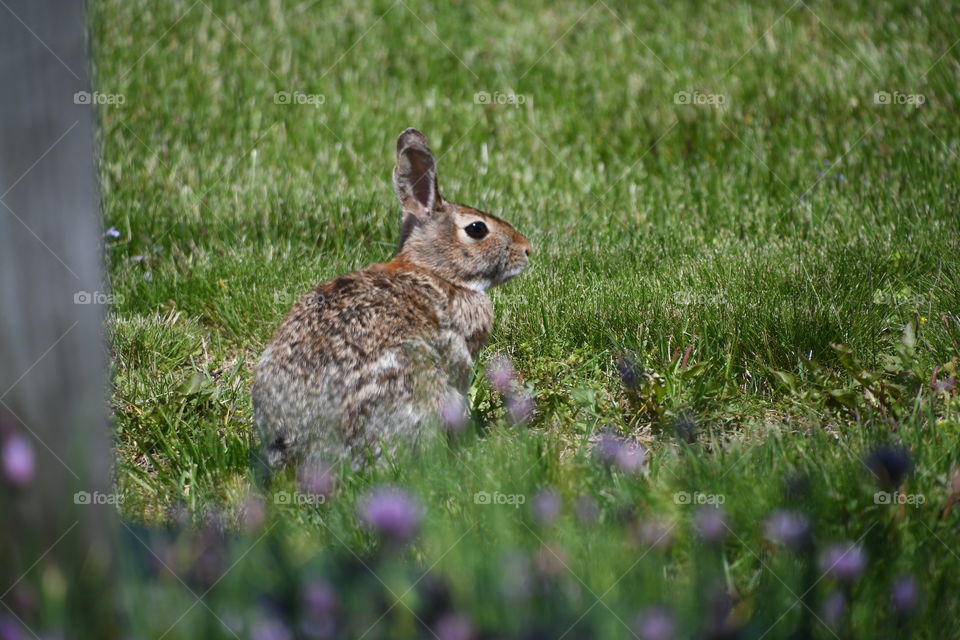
x: 476, y: 230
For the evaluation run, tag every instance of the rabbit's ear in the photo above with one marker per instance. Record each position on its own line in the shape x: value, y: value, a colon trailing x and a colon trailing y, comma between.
x: 415, y: 176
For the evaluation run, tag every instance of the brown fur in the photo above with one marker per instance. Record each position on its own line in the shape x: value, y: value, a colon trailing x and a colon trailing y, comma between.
x: 369, y: 359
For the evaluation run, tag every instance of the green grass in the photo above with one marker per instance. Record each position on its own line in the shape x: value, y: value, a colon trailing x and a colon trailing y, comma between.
x: 750, y: 237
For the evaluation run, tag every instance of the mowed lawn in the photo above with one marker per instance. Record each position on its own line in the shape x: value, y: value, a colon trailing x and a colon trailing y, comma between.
x: 747, y: 252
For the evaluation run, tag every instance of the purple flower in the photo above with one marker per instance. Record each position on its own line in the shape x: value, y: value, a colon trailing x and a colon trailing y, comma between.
x: 316, y: 479
x: 890, y: 465
x: 520, y: 406
x: 833, y: 608
x: 453, y: 414
x: 904, y: 595
x: 942, y: 386
x: 11, y: 630
x: 209, y: 555
x: 844, y: 562
x: 501, y: 374
x: 631, y: 457
x: 319, y: 608
x: 586, y: 509
x: 686, y: 428
x: 546, y: 506
x: 945, y: 386
x: 270, y: 629
x: 627, y: 455
x: 18, y: 461
x: 789, y: 528
x: 627, y: 369
x: 607, y: 448
x: 24, y: 600
x: 655, y: 623
x: 551, y: 560
x: 391, y: 513
x: 254, y: 512
x: 516, y: 582
x: 719, y: 607
x: 319, y: 598
x: 112, y: 233
x: 655, y: 533
x: 710, y: 523
x: 796, y: 486
x: 453, y: 626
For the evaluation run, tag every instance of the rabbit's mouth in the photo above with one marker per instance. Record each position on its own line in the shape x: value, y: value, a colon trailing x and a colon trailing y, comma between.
x: 513, y: 272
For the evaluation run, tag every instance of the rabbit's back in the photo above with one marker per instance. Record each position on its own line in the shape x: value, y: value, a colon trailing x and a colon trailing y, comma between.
x: 366, y: 358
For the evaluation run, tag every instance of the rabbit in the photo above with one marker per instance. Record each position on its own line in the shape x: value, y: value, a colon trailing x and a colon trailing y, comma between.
x: 367, y: 362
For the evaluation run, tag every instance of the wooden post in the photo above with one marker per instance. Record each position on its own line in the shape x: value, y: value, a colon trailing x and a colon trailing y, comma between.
x: 53, y: 381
